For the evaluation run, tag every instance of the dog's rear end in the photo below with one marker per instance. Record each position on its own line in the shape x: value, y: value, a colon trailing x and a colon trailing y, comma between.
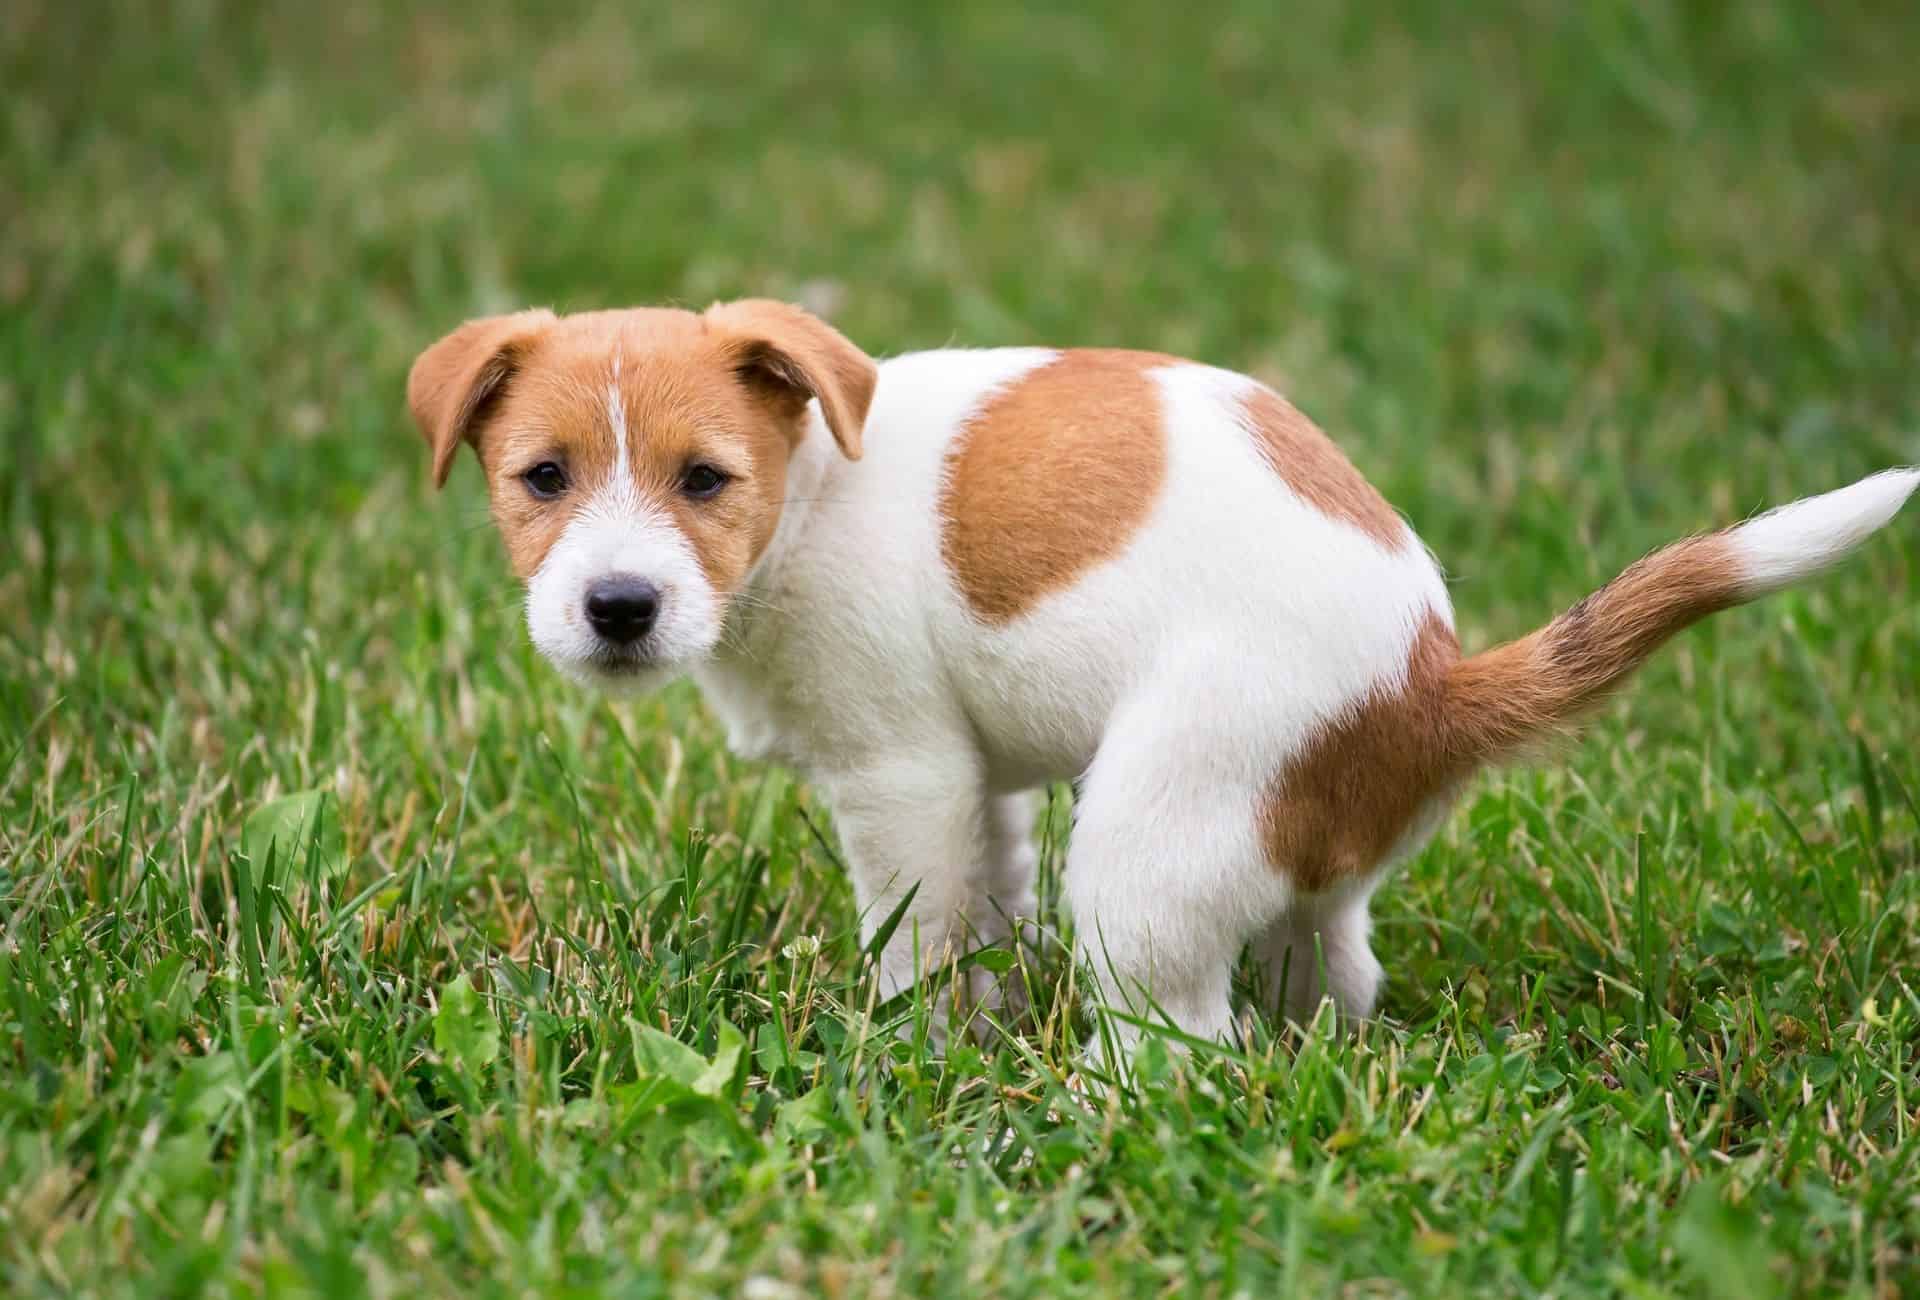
x: 1375, y: 781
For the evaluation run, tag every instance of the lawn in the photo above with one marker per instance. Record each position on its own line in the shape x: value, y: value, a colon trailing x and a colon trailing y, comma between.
x: 562, y: 999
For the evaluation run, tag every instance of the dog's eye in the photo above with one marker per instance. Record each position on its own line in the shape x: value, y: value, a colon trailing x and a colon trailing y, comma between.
x: 702, y: 481
x: 545, y: 480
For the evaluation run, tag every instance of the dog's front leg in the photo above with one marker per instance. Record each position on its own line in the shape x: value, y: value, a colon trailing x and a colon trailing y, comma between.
x: 915, y: 823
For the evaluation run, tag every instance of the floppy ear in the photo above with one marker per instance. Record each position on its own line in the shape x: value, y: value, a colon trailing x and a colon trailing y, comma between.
x: 793, y: 355
x: 454, y: 381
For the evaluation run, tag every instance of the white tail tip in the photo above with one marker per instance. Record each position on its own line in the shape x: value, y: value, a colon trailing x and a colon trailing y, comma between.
x: 1797, y: 540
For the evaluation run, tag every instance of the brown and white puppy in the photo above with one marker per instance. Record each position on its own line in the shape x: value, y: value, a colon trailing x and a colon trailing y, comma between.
x: 934, y: 584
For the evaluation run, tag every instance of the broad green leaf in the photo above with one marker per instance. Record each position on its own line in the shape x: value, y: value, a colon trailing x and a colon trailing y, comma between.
x: 672, y: 1072
x: 208, y: 1085
x: 293, y: 826
x: 717, y: 1079
x: 806, y: 1117
x: 464, y: 1030
x: 997, y: 960
x: 774, y: 1053
x: 664, y: 1057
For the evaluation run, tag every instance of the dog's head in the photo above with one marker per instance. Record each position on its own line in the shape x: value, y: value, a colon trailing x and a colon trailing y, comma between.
x: 637, y: 462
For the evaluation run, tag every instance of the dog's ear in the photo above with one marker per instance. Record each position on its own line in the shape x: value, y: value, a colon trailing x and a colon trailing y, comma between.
x: 792, y: 355
x: 454, y: 381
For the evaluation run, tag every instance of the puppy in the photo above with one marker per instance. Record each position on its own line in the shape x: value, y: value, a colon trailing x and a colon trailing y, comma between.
x: 933, y: 584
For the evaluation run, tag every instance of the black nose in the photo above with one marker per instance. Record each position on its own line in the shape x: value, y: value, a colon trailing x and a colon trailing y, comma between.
x: 622, y: 608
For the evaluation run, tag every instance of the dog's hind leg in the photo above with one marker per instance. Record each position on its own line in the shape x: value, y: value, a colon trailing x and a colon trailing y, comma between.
x: 1166, y: 879
x: 1318, y: 950
x: 1009, y: 894
x: 1006, y: 907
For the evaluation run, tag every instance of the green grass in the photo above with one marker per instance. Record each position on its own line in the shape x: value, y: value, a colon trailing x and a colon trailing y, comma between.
x: 541, y: 1014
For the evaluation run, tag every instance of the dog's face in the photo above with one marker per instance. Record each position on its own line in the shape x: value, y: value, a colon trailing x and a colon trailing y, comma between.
x: 637, y: 462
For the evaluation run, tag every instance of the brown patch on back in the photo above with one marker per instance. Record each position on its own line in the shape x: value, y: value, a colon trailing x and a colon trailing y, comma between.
x: 1052, y: 476
x: 1318, y: 471
x: 1340, y: 805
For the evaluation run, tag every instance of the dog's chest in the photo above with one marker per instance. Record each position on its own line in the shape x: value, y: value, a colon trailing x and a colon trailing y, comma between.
x: 758, y: 721
x: 821, y: 686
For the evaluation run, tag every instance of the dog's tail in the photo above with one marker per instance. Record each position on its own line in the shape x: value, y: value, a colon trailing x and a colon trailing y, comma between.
x: 1518, y: 694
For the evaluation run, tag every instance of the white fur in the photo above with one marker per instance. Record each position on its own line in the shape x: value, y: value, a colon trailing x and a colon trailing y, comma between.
x: 1798, y: 540
x: 617, y: 423
x: 1320, y: 949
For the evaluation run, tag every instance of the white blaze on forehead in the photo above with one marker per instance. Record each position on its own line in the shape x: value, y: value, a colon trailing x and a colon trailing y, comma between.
x: 617, y: 421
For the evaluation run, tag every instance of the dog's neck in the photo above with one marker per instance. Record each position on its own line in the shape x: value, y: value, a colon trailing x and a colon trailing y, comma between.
x: 745, y: 679
x: 758, y: 613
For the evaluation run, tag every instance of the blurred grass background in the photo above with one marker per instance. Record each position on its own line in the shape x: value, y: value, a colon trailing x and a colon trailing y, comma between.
x: 1567, y: 281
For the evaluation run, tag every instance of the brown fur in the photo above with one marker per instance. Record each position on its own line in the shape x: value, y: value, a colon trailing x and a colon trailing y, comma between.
x: 1340, y: 805
x: 1516, y: 694
x: 453, y: 381
x: 794, y: 355
x: 1318, y: 471
x: 1050, y: 477
x: 728, y: 388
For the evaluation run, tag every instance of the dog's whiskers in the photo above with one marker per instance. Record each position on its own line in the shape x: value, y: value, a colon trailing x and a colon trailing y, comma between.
x: 758, y: 602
